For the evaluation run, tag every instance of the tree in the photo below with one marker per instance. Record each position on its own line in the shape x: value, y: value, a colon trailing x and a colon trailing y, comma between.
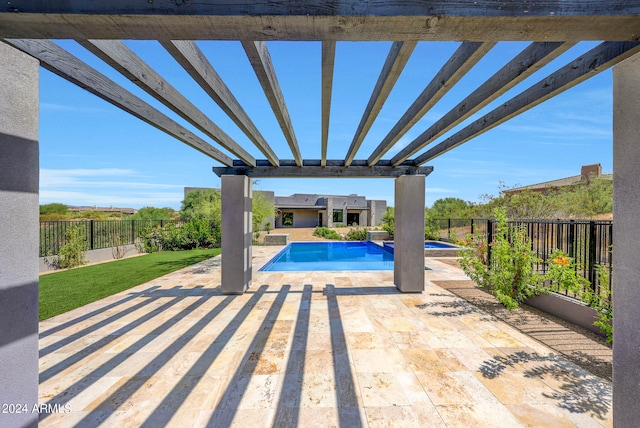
x: 202, y: 204
x: 262, y: 210
x: 449, y: 208
x: 588, y: 200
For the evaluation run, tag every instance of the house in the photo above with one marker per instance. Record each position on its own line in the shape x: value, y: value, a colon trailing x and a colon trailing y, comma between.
x: 587, y: 172
x: 311, y: 210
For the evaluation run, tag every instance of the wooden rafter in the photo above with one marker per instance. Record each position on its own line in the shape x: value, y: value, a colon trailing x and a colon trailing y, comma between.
x: 462, y: 60
x: 530, y: 60
x: 323, y: 171
x: 471, y: 20
x: 328, y: 58
x: 124, y: 60
x: 55, y: 59
x: 193, y: 60
x: 596, y: 60
x: 397, y: 58
x: 260, y: 59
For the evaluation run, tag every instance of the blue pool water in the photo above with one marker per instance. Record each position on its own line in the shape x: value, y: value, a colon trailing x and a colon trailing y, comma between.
x: 427, y: 244
x: 327, y: 256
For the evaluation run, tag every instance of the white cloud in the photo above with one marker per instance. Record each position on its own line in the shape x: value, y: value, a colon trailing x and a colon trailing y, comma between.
x: 106, y: 187
x: 71, y: 108
x: 116, y: 199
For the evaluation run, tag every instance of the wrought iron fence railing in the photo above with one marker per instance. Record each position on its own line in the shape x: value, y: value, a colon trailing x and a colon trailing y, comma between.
x: 97, y: 233
x: 588, y: 242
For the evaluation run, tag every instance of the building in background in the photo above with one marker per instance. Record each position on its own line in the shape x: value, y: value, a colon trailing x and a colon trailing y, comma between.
x: 312, y: 210
x: 587, y: 172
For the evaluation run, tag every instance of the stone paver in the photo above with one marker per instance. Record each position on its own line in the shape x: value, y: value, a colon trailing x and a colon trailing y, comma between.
x: 304, y: 349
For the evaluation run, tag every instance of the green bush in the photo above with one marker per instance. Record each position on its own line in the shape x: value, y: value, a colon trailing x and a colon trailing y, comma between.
x: 357, y: 234
x: 510, y: 276
x: 197, y: 233
x: 72, y: 252
x: 54, y: 208
x: 563, y: 276
x: 388, y: 220
x: 325, y: 232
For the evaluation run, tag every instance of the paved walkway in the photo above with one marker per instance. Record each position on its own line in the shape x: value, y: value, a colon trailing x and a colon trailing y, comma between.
x: 304, y: 349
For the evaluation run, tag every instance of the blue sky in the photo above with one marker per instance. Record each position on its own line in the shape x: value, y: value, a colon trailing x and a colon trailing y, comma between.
x: 92, y: 153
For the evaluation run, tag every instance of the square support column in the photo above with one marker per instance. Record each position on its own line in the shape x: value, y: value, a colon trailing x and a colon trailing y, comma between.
x: 408, y: 258
x: 19, y: 174
x: 236, y: 233
x: 626, y: 267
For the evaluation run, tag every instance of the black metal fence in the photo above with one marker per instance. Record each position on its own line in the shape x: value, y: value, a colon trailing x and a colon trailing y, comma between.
x: 589, y: 243
x: 97, y: 233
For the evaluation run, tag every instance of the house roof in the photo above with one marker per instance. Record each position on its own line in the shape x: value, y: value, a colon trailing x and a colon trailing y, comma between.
x: 561, y: 182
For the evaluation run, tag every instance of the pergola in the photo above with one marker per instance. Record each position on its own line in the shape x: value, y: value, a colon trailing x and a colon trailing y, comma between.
x: 552, y: 27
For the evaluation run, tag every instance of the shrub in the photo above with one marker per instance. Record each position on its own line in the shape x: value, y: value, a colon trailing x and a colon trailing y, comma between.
x: 325, y: 232
x: 150, y: 238
x: 431, y: 232
x: 510, y: 276
x: 357, y: 234
x: 388, y: 221
x: 72, y: 252
x: 563, y: 276
x: 118, y: 248
x: 197, y: 233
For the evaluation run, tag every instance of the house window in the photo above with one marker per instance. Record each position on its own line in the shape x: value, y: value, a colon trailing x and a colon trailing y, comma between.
x: 287, y: 219
x: 337, y: 216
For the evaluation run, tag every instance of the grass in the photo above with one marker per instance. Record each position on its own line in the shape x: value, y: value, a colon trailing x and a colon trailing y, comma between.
x: 63, y: 291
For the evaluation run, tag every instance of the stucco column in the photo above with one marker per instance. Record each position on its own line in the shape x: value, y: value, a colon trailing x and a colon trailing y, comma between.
x: 329, y: 212
x: 236, y: 234
x: 626, y: 266
x: 408, y: 266
x: 19, y: 173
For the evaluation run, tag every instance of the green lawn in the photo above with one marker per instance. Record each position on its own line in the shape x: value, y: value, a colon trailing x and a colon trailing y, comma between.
x: 63, y: 291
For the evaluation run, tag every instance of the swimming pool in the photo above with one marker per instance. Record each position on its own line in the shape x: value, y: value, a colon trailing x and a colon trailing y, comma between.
x: 427, y: 244
x: 330, y: 256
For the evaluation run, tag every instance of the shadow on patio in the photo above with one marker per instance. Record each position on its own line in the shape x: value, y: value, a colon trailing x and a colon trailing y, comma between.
x: 303, y: 349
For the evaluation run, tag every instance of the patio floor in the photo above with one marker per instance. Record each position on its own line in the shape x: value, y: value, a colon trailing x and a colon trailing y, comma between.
x: 304, y: 349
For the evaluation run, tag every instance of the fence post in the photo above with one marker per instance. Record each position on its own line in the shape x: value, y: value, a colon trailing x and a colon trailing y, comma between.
x: 133, y: 231
x: 471, y: 227
x: 91, y: 236
x: 449, y: 229
x: 592, y: 254
x: 489, y: 240
x: 572, y: 237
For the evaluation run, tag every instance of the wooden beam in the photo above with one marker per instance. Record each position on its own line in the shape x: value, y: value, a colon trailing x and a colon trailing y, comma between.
x: 397, y: 58
x: 55, y: 59
x: 124, y: 60
x: 322, y: 171
x: 193, y: 60
x: 462, y: 60
x: 328, y: 58
x: 530, y: 60
x: 591, y: 63
x: 260, y: 59
x: 446, y: 20
x: 318, y: 162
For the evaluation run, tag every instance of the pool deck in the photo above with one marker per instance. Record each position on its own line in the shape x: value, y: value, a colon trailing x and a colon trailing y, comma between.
x: 304, y: 349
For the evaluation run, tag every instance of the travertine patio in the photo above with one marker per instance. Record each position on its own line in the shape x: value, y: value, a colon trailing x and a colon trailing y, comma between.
x: 304, y: 349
